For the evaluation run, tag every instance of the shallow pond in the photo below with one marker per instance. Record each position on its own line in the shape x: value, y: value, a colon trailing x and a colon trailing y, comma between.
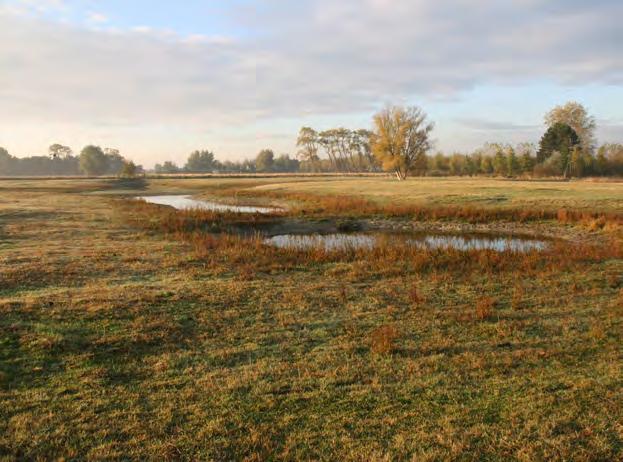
x: 347, y: 241
x: 187, y: 203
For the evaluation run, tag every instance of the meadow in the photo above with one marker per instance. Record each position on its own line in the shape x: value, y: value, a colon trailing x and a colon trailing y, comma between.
x: 130, y: 331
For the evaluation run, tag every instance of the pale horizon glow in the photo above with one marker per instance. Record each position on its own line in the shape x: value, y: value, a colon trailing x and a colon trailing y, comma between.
x: 158, y: 80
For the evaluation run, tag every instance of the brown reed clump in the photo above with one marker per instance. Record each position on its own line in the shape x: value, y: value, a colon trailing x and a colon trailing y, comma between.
x: 414, y: 296
x: 382, y: 339
x: 484, y: 308
x: 313, y: 204
x: 517, y: 301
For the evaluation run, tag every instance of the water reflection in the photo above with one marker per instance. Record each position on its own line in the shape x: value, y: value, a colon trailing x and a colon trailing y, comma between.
x: 187, y: 203
x: 327, y: 241
x: 346, y: 241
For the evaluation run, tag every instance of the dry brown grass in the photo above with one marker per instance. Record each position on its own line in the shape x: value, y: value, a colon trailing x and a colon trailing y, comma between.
x: 415, y: 297
x: 484, y: 308
x: 518, y: 300
x: 382, y: 339
x: 308, y: 204
x: 129, y: 334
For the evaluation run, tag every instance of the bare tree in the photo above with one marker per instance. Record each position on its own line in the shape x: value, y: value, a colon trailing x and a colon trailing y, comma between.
x: 309, y: 146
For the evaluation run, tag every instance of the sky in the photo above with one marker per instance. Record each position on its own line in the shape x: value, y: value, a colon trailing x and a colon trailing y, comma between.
x: 158, y: 79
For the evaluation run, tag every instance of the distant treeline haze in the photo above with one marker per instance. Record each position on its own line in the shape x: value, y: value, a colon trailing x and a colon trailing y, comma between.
x: 93, y: 161
x: 399, y: 143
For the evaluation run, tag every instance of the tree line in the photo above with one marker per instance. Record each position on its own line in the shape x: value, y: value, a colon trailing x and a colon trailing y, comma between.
x: 400, y: 143
x: 61, y: 161
x: 342, y: 150
x: 204, y: 161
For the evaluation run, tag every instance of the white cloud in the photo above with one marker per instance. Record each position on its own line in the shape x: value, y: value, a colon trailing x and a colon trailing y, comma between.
x: 97, y: 18
x: 299, y: 58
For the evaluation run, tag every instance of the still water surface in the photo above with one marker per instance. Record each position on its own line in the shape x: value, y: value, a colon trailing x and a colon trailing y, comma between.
x: 187, y: 203
x: 346, y: 241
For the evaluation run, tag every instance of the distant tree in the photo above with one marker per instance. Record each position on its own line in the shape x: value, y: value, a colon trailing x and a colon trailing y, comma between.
x: 526, y: 162
x: 112, y: 152
x: 129, y: 169
x: 438, y: 164
x: 601, y: 162
x: 472, y: 164
x: 401, y: 136
x: 115, y: 161
x: 486, y: 165
x: 346, y: 150
x: 93, y: 161
x: 248, y: 166
x: 420, y: 164
x: 309, y: 146
x: 284, y: 163
x: 512, y: 163
x: 364, y: 160
x: 527, y: 157
x: 559, y: 138
x: 7, y: 162
x: 167, y: 167
x: 457, y: 164
x: 58, y: 151
x: 577, y: 117
x: 264, y: 162
x: 552, y: 166
x: 500, y: 164
x: 201, y: 161
x: 609, y: 159
x: 576, y: 162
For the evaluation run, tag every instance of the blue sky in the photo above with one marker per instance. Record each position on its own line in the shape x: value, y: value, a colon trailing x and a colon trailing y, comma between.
x: 159, y: 79
x: 188, y: 17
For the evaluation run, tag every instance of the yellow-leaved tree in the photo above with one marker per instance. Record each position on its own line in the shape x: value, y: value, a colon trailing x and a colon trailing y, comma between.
x: 401, y: 139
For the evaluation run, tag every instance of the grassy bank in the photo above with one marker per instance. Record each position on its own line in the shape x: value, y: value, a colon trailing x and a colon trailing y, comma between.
x: 127, y: 331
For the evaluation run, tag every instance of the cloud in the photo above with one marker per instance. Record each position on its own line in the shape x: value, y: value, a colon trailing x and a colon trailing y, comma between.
x: 53, y: 71
x: 97, y: 18
x: 304, y: 58
x: 477, y: 124
x: 351, y: 55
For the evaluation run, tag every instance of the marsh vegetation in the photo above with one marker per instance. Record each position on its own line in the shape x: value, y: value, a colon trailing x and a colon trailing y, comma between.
x: 135, y: 330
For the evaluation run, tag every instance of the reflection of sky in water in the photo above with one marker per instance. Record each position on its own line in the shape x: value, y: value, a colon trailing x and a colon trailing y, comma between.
x: 479, y: 243
x: 431, y: 241
x: 326, y: 241
x: 187, y: 203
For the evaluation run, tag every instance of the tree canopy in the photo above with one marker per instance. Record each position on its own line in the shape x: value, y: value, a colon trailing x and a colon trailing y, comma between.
x: 265, y: 160
x: 201, y: 161
x: 93, y: 161
x: 401, y: 139
x: 577, y: 117
x: 558, y: 138
x: 167, y: 167
x: 346, y: 150
x: 58, y: 151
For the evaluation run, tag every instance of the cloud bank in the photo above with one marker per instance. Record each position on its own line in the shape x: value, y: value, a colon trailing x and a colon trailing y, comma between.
x: 297, y: 59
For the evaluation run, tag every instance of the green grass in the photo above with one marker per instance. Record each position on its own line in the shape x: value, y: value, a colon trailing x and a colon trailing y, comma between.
x: 120, y: 340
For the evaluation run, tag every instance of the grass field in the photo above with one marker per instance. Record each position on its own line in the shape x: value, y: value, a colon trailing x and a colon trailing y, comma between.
x: 129, y: 332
